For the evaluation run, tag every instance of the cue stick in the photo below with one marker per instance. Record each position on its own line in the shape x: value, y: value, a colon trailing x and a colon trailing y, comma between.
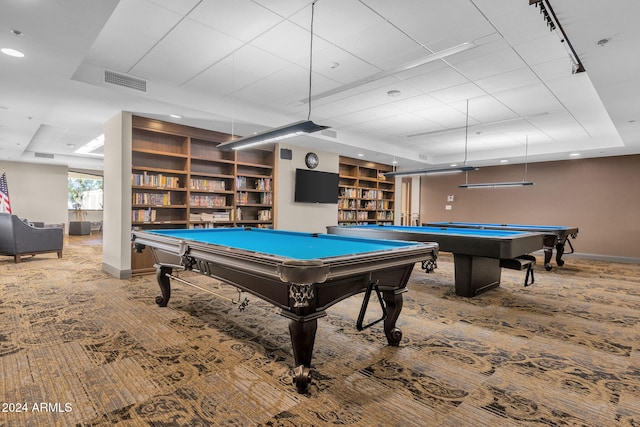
x: 242, y: 304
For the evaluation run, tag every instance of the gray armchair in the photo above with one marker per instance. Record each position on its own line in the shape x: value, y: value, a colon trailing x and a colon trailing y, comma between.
x: 18, y: 238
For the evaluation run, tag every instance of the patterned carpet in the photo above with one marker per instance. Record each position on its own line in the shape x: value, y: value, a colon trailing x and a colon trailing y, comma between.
x: 81, y: 348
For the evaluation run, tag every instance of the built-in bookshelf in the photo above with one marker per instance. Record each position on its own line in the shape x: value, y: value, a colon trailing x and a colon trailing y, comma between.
x: 365, y: 195
x: 180, y: 179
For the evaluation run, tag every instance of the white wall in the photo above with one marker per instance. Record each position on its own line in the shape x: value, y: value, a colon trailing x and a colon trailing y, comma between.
x: 38, y: 192
x: 116, y: 237
x: 305, y: 217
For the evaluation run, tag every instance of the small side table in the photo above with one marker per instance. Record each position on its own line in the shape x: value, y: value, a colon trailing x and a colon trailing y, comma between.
x: 79, y: 228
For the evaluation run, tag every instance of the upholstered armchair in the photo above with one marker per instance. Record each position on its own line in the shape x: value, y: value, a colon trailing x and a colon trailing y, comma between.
x: 18, y: 238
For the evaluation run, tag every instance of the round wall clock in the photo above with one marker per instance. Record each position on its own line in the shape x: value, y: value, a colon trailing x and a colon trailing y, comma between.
x: 311, y: 160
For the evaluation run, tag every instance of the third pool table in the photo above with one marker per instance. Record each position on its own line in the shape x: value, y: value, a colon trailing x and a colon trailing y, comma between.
x: 555, y: 236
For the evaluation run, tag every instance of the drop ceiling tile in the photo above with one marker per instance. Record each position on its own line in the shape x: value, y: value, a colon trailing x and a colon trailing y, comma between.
x: 243, y: 67
x: 128, y: 14
x: 284, y: 8
x: 113, y: 50
x: 445, y: 116
x: 380, y: 45
x: 181, y: 7
x: 497, y: 62
x: 241, y: 19
x: 544, y: 49
x: 349, y: 68
x: 508, y: 80
x: 336, y: 20
x: 529, y: 100
x: 439, y: 79
x: 458, y: 93
x: 288, y: 41
x: 186, y: 51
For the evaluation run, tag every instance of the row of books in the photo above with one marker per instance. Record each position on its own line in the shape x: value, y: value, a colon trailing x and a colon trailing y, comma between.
x: 262, y: 215
x: 218, y: 216
x: 244, y: 198
x: 152, y: 199
x: 361, y: 216
x: 207, y: 184
x: 208, y: 201
x: 250, y: 182
x: 362, y: 193
x: 155, y: 180
x: 370, y: 205
x: 386, y: 216
x: 146, y: 215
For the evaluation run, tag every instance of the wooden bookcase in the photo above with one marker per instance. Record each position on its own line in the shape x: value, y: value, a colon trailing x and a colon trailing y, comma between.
x: 366, y: 196
x: 179, y: 179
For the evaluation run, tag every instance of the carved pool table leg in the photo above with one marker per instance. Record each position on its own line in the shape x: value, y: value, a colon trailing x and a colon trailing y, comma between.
x: 393, y: 302
x: 303, y: 336
x: 559, y: 253
x: 164, y: 282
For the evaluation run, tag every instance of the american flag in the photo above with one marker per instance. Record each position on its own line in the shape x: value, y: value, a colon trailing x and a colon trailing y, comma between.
x: 5, y: 204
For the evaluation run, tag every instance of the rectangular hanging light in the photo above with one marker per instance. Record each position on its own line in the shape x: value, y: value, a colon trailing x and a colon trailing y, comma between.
x: 442, y: 171
x: 496, y: 184
x: 273, y: 135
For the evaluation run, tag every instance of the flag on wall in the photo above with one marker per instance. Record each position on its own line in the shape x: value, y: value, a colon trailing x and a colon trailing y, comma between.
x: 5, y: 204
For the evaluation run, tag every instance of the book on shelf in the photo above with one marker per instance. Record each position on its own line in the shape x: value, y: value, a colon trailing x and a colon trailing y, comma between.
x: 143, y: 215
x: 152, y: 199
x: 207, y: 184
x: 207, y: 200
x: 159, y: 180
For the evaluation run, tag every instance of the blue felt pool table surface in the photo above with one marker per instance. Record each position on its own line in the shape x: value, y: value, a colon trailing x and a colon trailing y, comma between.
x: 286, y: 244
x: 533, y: 228
x: 489, y: 233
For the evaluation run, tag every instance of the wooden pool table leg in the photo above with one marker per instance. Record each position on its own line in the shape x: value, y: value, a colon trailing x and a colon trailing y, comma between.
x: 393, y: 302
x: 559, y: 253
x: 164, y: 281
x: 303, y: 336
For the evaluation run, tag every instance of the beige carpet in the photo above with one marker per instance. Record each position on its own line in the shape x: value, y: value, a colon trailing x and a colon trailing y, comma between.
x: 80, y: 348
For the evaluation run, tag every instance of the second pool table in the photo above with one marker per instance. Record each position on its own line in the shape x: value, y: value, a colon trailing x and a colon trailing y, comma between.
x: 476, y: 253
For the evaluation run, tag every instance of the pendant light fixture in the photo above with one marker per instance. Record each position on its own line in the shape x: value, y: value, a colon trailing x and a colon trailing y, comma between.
x: 442, y: 171
x: 283, y: 132
x: 522, y: 183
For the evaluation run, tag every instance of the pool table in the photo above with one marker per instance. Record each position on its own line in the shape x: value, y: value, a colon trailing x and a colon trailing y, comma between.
x: 477, y: 254
x: 555, y: 236
x: 301, y: 273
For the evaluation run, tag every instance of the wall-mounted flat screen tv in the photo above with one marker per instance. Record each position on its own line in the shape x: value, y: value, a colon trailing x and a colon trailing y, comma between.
x: 316, y: 186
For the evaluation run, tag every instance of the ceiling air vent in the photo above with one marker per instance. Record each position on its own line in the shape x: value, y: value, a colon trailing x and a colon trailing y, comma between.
x: 330, y: 133
x: 124, y: 80
x: 44, y: 155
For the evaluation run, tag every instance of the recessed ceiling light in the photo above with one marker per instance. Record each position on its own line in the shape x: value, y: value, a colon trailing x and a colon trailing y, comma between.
x: 175, y: 116
x: 334, y: 64
x: 360, y: 155
x: 12, y: 52
x: 574, y: 155
x: 395, y: 162
x: 453, y: 165
x: 71, y: 145
x: 504, y: 161
x: 394, y: 93
x: 17, y: 33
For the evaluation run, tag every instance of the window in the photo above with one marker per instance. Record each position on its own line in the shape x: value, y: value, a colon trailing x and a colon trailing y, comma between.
x: 85, y: 192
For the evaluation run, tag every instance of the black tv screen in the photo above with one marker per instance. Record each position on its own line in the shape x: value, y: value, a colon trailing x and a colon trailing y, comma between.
x: 316, y: 186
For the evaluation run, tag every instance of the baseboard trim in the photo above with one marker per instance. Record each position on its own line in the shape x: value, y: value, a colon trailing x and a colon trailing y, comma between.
x: 120, y: 274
